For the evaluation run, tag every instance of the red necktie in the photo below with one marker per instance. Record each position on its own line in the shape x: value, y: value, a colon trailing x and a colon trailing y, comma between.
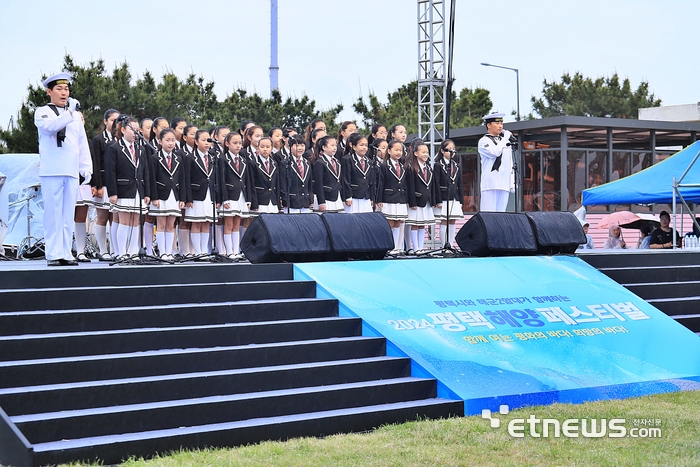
x: 301, y: 168
x: 398, y: 170
x: 168, y: 159
x: 362, y: 164
x: 425, y: 173
x: 235, y: 163
x: 452, y: 170
x: 267, y: 166
x: 206, y: 162
x: 133, y: 153
x: 335, y: 168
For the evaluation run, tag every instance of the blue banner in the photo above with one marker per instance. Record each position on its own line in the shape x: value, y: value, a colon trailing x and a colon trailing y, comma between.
x: 517, y: 331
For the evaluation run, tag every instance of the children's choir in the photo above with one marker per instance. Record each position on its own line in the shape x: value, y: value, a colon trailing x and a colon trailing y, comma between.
x: 190, y: 184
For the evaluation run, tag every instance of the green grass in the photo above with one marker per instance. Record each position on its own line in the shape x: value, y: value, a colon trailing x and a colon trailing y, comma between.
x: 470, y: 441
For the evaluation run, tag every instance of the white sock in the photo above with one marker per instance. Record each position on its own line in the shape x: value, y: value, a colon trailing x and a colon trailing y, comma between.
x: 101, y: 237
x: 195, y: 239
x: 414, y: 239
x: 236, y: 240
x: 80, y: 232
x: 160, y: 238
x: 183, y: 238
x: 421, y: 238
x: 122, y: 240
x: 402, y: 232
x: 148, y: 237
x: 169, y: 241
x: 395, y: 232
x: 114, y: 237
x: 452, y: 233
x: 443, y: 234
x: 204, y: 239
x: 228, y: 245
x: 134, y: 246
x: 220, y: 244
x: 406, y: 236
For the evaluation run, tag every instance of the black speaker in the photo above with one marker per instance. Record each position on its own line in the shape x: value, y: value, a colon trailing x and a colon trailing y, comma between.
x: 276, y: 238
x: 359, y: 236
x: 497, y: 234
x: 556, y: 232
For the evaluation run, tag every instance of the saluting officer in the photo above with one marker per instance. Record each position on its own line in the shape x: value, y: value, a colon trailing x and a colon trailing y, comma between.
x: 63, y: 153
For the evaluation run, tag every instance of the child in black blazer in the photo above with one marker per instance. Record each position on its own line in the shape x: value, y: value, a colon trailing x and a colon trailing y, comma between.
x: 449, y: 192
x: 236, y: 192
x: 199, y: 209
x: 421, y: 198
x: 391, y: 192
x: 169, y: 193
x: 327, y: 172
x: 358, y: 181
x: 266, y: 180
x: 297, y: 179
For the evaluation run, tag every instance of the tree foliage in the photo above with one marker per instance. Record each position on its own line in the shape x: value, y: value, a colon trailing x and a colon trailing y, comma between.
x: 602, y: 97
x: 467, y: 108
x: 192, y: 98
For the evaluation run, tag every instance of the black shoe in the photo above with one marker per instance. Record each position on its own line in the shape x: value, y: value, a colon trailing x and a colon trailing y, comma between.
x: 68, y: 262
x: 53, y: 262
x: 82, y: 258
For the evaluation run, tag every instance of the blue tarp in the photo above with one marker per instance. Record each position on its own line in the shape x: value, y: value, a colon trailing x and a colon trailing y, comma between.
x: 652, y: 185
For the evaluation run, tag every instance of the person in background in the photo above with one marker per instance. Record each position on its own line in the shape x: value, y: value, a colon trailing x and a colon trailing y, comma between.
x: 615, y: 240
x: 643, y: 243
x: 589, y: 240
x: 662, y: 237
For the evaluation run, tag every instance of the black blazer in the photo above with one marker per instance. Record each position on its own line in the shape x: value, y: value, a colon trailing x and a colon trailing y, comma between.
x: 420, y: 190
x: 98, y: 148
x: 391, y: 187
x: 164, y: 180
x: 448, y: 185
x: 123, y: 177
x: 266, y: 185
x: 299, y: 188
x: 200, y: 179
x: 234, y: 182
x: 327, y: 184
x: 356, y: 182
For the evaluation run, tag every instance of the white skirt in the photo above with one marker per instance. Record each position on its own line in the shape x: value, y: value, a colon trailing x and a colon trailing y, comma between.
x: 455, y: 211
x: 395, y: 211
x: 331, y: 206
x: 270, y: 208
x: 236, y: 208
x: 168, y: 207
x: 297, y: 211
x: 201, y: 211
x: 421, y: 216
x: 358, y: 205
x: 101, y: 202
x: 129, y: 205
x: 84, y: 196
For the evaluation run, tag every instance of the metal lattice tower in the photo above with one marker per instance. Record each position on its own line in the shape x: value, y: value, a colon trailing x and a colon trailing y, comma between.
x: 432, y: 76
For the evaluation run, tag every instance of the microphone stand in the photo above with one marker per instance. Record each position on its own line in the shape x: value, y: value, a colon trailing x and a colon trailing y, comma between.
x: 288, y: 175
x: 515, y: 150
x: 447, y: 247
x: 142, y: 257
x: 215, y: 257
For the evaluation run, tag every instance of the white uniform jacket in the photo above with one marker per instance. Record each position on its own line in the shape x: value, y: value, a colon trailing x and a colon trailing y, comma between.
x: 493, y: 150
x: 73, y: 155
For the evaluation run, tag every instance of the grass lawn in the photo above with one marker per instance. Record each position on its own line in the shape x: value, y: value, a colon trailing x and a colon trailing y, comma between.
x: 471, y: 441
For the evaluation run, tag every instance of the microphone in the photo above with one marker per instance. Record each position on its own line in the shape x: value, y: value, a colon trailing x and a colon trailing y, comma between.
x: 211, y: 140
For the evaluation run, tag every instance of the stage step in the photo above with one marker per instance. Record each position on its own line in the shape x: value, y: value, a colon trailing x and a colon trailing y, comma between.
x: 669, y: 280
x: 112, y: 449
x: 100, y: 372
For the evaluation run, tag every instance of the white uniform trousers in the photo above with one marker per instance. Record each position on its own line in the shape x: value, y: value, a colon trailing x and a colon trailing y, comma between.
x: 59, y: 194
x: 494, y: 200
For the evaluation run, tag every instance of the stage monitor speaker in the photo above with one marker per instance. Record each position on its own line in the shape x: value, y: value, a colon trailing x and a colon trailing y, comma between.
x: 359, y: 236
x: 497, y: 234
x: 556, y: 232
x: 277, y: 238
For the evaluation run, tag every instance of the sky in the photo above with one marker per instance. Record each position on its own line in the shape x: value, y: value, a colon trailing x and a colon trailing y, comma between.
x: 335, y: 51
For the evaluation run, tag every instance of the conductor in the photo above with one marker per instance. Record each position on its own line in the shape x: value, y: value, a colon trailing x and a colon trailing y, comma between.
x: 63, y: 154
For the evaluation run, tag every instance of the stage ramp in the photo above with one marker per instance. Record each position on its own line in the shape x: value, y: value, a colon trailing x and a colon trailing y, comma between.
x: 517, y: 331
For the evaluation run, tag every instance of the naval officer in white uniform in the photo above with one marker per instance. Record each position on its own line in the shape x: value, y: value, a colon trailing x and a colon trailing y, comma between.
x: 497, y: 178
x: 64, y: 153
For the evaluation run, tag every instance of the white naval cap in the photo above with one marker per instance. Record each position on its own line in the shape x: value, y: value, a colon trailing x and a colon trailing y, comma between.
x: 493, y: 117
x: 58, y: 78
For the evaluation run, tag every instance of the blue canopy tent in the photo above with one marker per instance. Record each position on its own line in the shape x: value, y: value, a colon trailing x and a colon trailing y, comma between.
x: 676, y: 178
